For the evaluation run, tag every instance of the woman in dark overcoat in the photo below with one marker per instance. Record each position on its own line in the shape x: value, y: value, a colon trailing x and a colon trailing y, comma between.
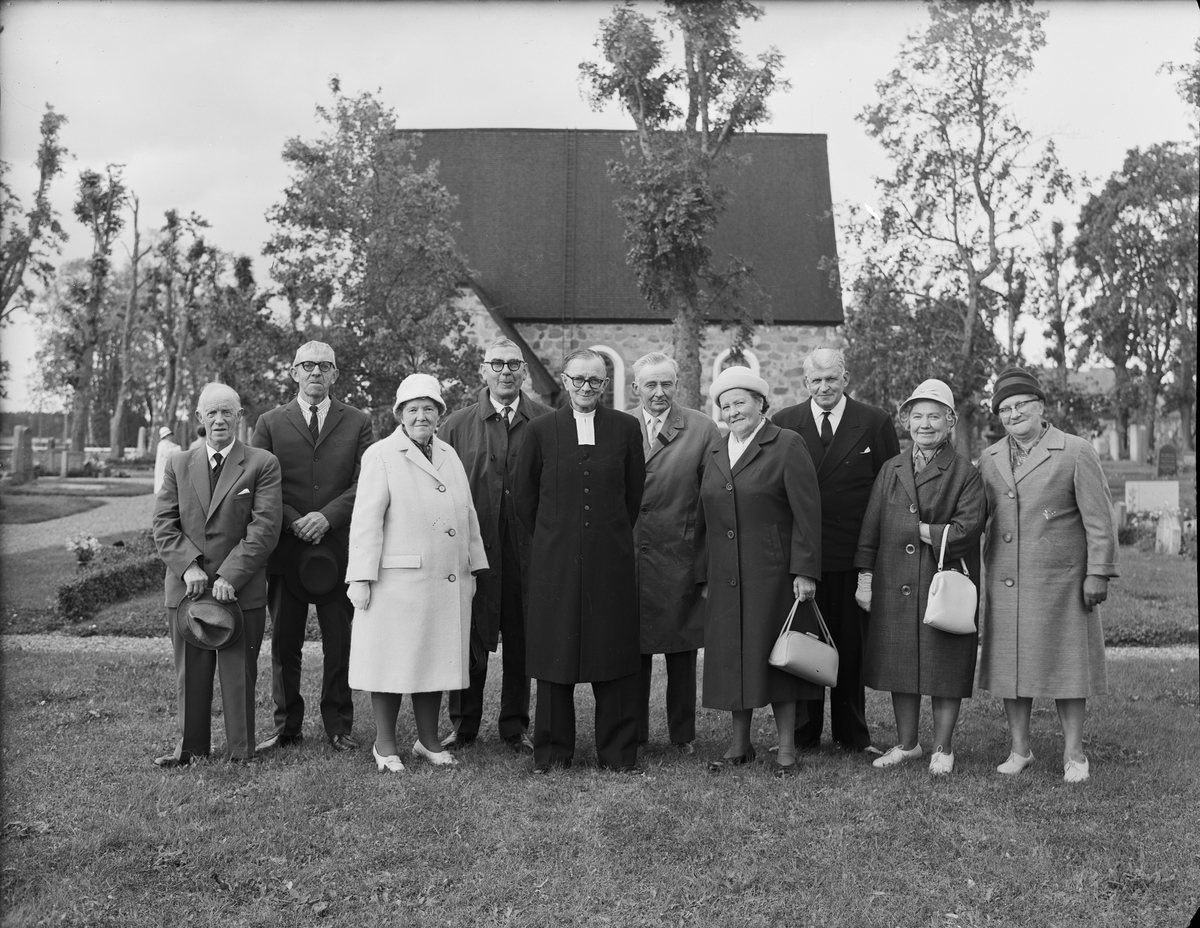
x: 918, y: 497
x: 758, y: 536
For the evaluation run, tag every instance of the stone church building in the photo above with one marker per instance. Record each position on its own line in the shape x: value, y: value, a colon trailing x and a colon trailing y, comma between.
x: 545, y: 244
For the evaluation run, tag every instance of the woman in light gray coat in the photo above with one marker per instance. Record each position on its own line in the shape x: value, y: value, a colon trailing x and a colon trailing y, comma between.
x: 415, y: 547
x: 1050, y: 548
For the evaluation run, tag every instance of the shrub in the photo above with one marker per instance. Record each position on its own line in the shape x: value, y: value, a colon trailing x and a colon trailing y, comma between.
x: 118, y: 572
x: 1139, y: 634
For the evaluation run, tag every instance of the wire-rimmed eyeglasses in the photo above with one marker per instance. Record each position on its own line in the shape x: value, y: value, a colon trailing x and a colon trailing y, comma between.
x: 325, y: 366
x: 1005, y: 412
x: 498, y: 364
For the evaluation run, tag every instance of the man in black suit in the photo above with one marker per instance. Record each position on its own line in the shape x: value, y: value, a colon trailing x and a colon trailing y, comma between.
x: 320, y: 443
x: 849, y: 441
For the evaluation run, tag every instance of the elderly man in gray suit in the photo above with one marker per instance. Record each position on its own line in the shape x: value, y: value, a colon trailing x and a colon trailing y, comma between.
x: 676, y: 442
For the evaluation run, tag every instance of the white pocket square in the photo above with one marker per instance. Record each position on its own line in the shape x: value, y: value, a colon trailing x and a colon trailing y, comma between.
x: 244, y: 491
x: 866, y: 450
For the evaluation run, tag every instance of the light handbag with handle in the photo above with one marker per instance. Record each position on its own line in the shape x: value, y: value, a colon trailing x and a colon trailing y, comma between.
x: 806, y: 655
x: 952, y: 597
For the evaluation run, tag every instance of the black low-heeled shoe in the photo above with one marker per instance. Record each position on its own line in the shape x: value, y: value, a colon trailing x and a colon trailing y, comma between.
x: 739, y: 761
x: 787, y: 770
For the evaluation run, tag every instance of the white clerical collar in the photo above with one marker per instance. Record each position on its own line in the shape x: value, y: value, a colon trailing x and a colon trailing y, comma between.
x: 585, y: 426
x: 499, y: 407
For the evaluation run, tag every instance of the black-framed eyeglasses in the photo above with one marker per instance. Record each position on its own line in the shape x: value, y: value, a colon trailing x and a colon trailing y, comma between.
x: 1005, y: 411
x: 498, y: 364
x: 325, y: 366
x: 596, y: 383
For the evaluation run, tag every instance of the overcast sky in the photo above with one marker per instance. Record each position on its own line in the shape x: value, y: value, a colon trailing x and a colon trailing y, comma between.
x: 197, y: 99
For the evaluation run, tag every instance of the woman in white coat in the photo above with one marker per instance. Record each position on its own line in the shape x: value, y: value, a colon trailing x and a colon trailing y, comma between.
x: 415, y: 548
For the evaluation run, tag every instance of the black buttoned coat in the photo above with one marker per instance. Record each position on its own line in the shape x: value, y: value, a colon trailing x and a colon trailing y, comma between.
x: 489, y: 455
x: 580, y: 503
x: 759, y: 525
x: 902, y: 653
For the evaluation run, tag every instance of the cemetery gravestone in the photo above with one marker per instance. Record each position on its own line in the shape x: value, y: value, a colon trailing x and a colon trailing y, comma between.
x: 22, y: 457
x: 1168, y: 461
x: 1152, y: 495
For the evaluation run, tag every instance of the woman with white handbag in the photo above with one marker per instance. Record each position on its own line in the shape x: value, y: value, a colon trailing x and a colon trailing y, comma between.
x: 925, y: 516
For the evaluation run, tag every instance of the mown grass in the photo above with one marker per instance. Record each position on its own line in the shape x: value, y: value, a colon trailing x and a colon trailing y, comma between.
x: 83, y: 486
x: 22, y: 510
x: 1153, y: 602
x: 95, y: 835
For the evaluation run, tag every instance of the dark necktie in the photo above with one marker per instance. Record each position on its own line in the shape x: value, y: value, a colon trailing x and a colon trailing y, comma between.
x: 214, y: 473
x: 507, y: 413
x: 826, y: 430
x: 314, y: 424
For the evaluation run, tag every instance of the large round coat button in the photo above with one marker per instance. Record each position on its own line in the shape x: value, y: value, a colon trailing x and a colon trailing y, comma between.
x: 1008, y: 581
x: 645, y: 509
x: 586, y: 490
x: 587, y: 524
x: 587, y: 473
x: 1012, y: 495
x: 733, y: 582
x: 729, y: 486
x: 452, y: 578
x: 730, y: 533
x: 587, y: 508
x: 1008, y: 536
x: 441, y: 489
x: 450, y: 532
x: 910, y: 549
x: 912, y: 508
x: 906, y: 589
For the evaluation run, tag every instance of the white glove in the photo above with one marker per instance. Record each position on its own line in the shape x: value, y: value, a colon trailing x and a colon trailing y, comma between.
x: 862, y: 595
x: 359, y: 593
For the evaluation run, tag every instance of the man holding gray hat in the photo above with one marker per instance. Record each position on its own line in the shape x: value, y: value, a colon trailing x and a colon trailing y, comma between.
x: 320, y: 443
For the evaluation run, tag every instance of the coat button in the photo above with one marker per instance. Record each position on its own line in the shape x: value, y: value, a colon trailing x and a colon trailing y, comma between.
x: 730, y: 533
x: 587, y: 524
x: 508, y: 492
x: 1008, y: 536
x: 645, y: 509
x: 316, y: 487
x: 733, y: 582
x: 316, y: 460
x: 910, y: 549
x: 906, y: 589
x: 441, y: 489
x: 587, y: 508
x: 586, y: 490
x: 451, y: 578
x: 587, y: 473
x: 729, y: 486
x: 493, y: 457
x: 1012, y: 495
x: 912, y: 508
x: 585, y: 457
x: 450, y: 532
x: 1008, y: 581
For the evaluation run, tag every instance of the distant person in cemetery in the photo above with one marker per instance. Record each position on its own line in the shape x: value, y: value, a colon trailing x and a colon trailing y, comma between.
x: 320, y: 443
x: 216, y: 521
x: 167, y: 446
x: 758, y: 542
x: 198, y: 441
x: 677, y: 443
x: 580, y: 477
x: 1049, y: 551
x: 849, y: 442
x: 487, y: 436
x: 415, y: 549
x: 918, y: 499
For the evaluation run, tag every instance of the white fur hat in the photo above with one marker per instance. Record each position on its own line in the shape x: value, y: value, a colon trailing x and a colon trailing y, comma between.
x: 415, y: 386
x: 733, y: 378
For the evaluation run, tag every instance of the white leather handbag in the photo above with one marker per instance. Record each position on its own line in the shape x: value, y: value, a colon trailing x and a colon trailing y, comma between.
x: 952, y: 597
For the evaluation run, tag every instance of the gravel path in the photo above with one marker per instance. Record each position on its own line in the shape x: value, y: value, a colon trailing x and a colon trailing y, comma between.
x: 118, y: 514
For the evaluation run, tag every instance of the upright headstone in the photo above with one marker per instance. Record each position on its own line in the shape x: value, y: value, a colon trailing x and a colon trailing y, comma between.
x: 1152, y: 495
x: 1100, y: 443
x: 1137, y: 443
x: 1169, y: 537
x: 22, y: 458
x: 141, y: 444
x: 1168, y: 461
x: 1114, y: 444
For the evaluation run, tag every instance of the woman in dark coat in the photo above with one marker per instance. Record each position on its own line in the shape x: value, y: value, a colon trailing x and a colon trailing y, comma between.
x: 918, y: 497
x: 758, y: 536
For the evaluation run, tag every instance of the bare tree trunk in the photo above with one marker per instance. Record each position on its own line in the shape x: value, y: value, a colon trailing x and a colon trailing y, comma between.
x: 116, y: 444
x: 687, y: 337
x: 81, y: 407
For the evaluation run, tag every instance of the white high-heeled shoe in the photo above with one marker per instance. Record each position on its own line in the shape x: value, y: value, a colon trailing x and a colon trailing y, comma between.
x: 437, y: 758
x: 391, y: 763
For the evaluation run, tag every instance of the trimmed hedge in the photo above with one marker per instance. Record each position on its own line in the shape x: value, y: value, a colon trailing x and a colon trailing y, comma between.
x: 1138, y: 634
x: 118, y: 573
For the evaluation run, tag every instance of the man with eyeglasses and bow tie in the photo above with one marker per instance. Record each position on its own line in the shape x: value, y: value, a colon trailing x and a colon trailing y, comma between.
x: 487, y: 436
x: 580, y: 477
x: 320, y: 443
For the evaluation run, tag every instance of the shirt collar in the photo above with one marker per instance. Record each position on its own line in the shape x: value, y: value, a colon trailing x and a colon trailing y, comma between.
x: 499, y: 407
x: 758, y: 428
x: 835, y: 414
x: 651, y: 418
x: 224, y: 452
x: 583, y: 415
x: 306, y: 407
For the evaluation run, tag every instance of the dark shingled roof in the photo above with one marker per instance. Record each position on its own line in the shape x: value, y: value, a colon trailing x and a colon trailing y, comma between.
x: 539, y: 228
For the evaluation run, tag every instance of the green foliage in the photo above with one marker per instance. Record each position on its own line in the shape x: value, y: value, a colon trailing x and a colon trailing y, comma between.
x: 684, y: 117
x: 363, y: 246
x: 113, y: 575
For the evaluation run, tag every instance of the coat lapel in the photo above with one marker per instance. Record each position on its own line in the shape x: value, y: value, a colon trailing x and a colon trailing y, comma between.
x: 673, y: 424
x: 720, y: 457
x: 999, y: 453
x: 332, y: 418
x: 1051, y: 441
x: 231, y: 472
x: 844, y: 439
x: 765, y: 434
x: 296, y: 417
x: 935, y: 468
x: 904, y: 471
x: 417, y: 456
x: 198, y: 472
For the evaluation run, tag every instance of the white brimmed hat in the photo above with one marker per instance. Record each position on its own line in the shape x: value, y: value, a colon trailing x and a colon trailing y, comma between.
x: 415, y: 386
x: 734, y: 378
x: 934, y: 390
x: 164, y: 432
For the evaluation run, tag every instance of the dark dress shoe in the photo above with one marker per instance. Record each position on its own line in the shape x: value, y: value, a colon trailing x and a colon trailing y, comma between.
x: 787, y: 763
x: 343, y: 743
x: 454, y: 741
x: 684, y: 747
x: 168, y: 761
x: 740, y: 761
x: 277, y: 741
x: 521, y: 744
x: 628, y: 770
x: 543, y: 769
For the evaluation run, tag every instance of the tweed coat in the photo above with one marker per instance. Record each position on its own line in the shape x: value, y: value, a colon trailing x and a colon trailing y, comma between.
x: 672, y: 612
x: 759, y: 525
x: 580, y: 503
x: 489, y: 456
x: 229, y: 529
x: 415, y: 535
x: 902, y: 654
x: 1049, y: 525
x: 846, y: 472
x: 320, y: 476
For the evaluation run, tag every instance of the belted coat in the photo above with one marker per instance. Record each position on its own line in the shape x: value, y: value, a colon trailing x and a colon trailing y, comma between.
x: 413, y: 534
x: 672, y: 612
x: 759, y: 524
x: 489, y: 455
x: 580, y: 503
x: 1049, y: 525
x: 902, y: 654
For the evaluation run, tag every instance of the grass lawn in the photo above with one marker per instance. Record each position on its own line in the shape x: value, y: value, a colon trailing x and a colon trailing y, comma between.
x: 81, y: 486
x: 23, y: 509
x: 95, y: 835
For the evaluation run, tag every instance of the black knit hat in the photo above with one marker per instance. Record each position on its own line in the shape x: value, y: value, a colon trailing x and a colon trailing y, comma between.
x: 1015, y: 382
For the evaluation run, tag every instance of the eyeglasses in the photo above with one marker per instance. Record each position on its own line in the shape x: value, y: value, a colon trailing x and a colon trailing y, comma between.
x: 1005, y: 412
x: 498, y: 364
x: 325, y: 366
x: 596, y: 383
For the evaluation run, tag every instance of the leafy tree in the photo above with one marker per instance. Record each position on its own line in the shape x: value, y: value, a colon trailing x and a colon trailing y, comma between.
x: 966, y: 182
x: 124, y: 372
x: 363, y: 248
x: 685, y: 117
x: 1137, y: 250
